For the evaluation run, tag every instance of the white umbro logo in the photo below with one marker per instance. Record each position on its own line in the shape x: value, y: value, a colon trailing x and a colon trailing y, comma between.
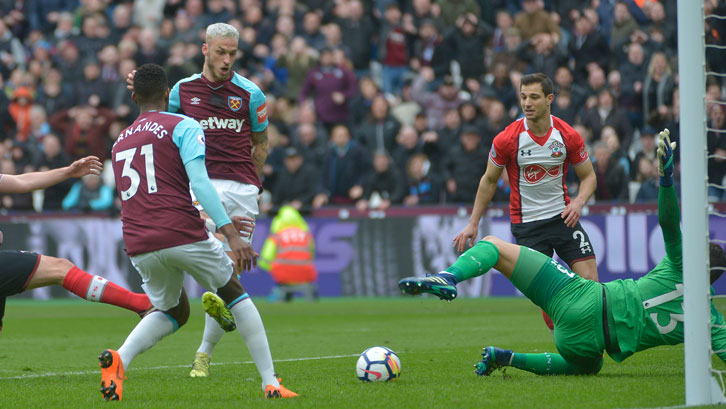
x: 196, y: 101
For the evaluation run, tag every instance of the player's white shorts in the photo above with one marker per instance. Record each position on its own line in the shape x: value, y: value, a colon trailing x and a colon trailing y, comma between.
x: 163, y: 270
x: 238, y: 199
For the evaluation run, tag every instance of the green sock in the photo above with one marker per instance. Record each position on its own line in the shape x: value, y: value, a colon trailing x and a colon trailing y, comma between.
x: 475, y: 261
x: 552, y: 364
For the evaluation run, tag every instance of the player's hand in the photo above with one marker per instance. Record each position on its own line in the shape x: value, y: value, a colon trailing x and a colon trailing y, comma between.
x: 245, y: 258
x: 572, y: 214
x: 665, y: 158
x: 130, y: 81
x: 466, y: 237
x: 244, y: 225
x: 85, y: 166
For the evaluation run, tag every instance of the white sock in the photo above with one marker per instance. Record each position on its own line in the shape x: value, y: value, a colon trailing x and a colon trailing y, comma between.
x: 249, y: 325
x: 212, y: 335
x: 150, y: 330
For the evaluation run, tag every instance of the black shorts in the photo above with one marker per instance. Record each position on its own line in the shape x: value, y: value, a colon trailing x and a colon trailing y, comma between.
x: 571, y: 243
x: 17, y: 269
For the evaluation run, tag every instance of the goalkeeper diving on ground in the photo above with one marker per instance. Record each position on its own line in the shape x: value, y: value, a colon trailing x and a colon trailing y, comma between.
x: 620, y: 317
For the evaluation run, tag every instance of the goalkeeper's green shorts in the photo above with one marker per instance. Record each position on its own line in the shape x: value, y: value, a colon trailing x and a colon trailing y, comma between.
x: 574, y: 304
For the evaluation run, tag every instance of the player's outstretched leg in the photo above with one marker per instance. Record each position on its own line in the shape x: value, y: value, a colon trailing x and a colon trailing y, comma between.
x: 59, y: 271
x: 546, y: 363
x: 472, y: 263
x: 112, y: 374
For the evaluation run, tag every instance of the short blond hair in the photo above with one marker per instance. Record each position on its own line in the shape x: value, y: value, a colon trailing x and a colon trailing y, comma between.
x: 221, y: 30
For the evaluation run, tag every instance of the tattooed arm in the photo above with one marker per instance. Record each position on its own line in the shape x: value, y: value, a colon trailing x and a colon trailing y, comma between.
x: 259, y: 149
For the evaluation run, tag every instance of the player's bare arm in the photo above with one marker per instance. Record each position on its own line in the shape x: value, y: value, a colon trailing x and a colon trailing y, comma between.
x: 41, y: 180
x: 260, y: 146
x: 588, y: 183
x: 484, y: 194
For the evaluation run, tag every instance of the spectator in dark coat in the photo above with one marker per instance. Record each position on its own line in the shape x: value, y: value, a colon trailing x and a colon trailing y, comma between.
x: 331, y: 87
x: 657, y: 89
x: 408, y: 144
x: 384, y: 186
x: 632, y: 74
x: 424, y: 183
x: 607, y: 113
x: 587, y: 46
x: 429, y: 51
x: 464, y: 166
x: 542, y: 54
x: 612, y: 180
x: 379, y: 131
x: 716, y: 143
x: 297, y: 181
x: 311, y: 144
x: 344, y: 169
x: 466, y: 42
x: 360, y: 105
x: 358, y: 34
x: 647, y: 176
x: 565, y: 81
x: 53, y: 157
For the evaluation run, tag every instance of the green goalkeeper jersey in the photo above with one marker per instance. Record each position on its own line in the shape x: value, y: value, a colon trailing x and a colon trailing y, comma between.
x: 648, y: 312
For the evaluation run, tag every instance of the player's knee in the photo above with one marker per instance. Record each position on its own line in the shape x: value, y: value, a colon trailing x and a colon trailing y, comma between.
x: 496, y: 241
x: 180, y: 313
x: 56, y: 268
x: 231, y: 291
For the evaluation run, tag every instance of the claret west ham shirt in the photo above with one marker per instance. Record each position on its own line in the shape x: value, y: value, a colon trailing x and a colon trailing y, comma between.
x: 537, y: 166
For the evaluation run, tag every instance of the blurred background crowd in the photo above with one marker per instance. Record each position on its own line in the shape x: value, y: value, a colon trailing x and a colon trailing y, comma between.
x: 372, y: 103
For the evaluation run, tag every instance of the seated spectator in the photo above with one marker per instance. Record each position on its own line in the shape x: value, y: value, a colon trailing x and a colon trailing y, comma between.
x: 379, y: 130
x: 435, y: 104
x: 311, y: 144
x: 647, y: 148
x: 565, y: 81
x: 331, y: 87
x: 623, y: 25
x: 406, y: 109
x: 542, y: 54
x: 607, y: 113
x: 464, y: 166
x: 19, y: 110
x: 657, y: 88
x: 596, y: 82
x: 296, y: 183
x: 647, y: 176
x: 503, y: 87
x: 632, y: 73
x: 384, y: 186
x: 408, y: 144
x: 83, y: 130
x: 617, y: 152
x: 424, y: 184
x: 54, y: 157
x: 563, y: 108
x: 345, y: 166
x: 612, y: 180
x: 89, y: 194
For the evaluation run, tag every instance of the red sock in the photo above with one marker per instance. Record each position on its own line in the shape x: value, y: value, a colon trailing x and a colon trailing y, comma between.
x: 98, y: 289
x: 548, y: 321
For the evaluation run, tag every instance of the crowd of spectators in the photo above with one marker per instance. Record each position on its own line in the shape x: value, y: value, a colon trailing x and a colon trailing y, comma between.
x: 372, y: 103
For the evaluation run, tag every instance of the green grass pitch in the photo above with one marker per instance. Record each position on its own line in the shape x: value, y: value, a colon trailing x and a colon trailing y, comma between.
x: 48, y: 359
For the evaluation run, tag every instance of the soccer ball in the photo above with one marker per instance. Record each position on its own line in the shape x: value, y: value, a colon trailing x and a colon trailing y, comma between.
x: 378, y: 364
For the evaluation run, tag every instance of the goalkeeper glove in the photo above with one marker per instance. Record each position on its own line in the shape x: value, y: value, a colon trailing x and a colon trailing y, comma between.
x: 665, y: 158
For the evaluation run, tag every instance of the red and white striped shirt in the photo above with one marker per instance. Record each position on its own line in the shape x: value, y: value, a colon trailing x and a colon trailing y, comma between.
x: 536, y: 166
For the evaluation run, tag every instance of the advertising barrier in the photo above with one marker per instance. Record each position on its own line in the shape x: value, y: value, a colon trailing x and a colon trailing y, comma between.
x: 354, y: 256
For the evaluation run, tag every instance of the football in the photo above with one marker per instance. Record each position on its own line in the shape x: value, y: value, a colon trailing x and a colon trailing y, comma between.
x: 378, y: 364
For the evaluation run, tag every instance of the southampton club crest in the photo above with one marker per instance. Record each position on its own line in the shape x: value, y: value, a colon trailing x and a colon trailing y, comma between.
x: 234, y: 103
x: 557, y: 149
